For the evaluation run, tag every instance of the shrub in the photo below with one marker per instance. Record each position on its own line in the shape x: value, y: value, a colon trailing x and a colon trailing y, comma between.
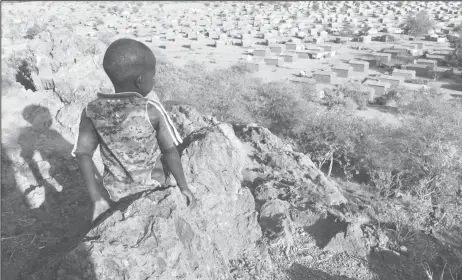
x: 356, y: 94
x: 333, y: 97
x: 348, y: 30
x: 419, y: 24
x: 350, y: 104
x: 422, y: 157
x: 331, y: 135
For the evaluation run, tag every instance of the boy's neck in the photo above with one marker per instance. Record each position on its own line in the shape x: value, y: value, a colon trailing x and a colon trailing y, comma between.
x: 121, y: 89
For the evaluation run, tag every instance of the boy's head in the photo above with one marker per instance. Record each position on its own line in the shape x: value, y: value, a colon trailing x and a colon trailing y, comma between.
x: 130, y: 65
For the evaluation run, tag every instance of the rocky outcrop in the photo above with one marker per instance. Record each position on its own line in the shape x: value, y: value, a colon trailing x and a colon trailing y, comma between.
x: 155, y: 236
x: 252, y: 186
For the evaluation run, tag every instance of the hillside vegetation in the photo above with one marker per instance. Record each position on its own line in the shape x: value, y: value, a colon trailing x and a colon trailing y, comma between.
x: 420, y: 159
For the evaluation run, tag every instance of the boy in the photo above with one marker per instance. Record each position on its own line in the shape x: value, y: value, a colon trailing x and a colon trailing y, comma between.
x: 135, y: 135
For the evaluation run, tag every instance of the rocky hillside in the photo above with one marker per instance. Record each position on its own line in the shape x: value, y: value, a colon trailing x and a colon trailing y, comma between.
x: 265, y: 211
x: 251, y: 188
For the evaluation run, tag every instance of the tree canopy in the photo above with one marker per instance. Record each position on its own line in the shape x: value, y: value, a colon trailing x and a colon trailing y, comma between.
x: 419, y: 24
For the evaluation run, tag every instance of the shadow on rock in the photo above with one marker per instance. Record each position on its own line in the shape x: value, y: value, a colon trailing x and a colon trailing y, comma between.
x: 300, y: 272
x: 146, y: 231
x: 48, y: 264
x: 44, y: 201
x: 419, y: 256
x: 324, y: 230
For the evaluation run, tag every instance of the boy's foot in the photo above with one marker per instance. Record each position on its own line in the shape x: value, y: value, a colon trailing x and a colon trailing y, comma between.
x: 99, y: 208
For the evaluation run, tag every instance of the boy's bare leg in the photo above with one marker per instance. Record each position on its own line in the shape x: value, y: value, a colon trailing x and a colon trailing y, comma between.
x: 100, y: 201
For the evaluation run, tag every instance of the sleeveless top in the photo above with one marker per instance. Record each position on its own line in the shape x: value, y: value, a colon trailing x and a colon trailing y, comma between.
x: 128, y: 141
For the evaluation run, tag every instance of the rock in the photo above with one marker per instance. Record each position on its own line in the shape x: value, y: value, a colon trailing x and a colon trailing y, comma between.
x: 36, y: 197
x: 307, y: 258
x: 386, y: 257
x: 267, y: 191
x: 197, y: 244
x: 69, y: 89
x: 350, y: 241
x: 188, y: 119
x: 274, y: 218
x: 43, y: 77
x: 277, y: 175
x: 158, y: 225
x: 213, y: 163
x: 305, y: 218
x: 278, y: 159
x: 219, y: 161
x: 403, y: 250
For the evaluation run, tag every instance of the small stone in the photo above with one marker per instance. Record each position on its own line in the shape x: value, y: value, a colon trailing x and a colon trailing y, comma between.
x: 308, y: 258
x: 403, y: 250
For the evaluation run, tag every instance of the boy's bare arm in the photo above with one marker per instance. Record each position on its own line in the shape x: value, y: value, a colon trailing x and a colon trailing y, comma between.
x: 86, y: 164
x: 100, y: 204
x: 87, y: 142
x: 173, y: 161
x: 167, y: 142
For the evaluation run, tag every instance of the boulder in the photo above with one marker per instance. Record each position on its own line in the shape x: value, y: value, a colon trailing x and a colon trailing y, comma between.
x: 86, y: 70
x: 275, y: 219
x: 187, y: 244
x: 153, y: 235
x: 350, y: 240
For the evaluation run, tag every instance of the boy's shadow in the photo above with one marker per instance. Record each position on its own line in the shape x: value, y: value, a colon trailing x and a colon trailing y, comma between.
x: 58, y: 201
x: 48, y: 156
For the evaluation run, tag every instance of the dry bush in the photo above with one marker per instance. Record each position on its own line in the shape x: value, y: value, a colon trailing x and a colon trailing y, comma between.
x: 350, y: 104
x: 419, y: 24
x: 214, y: 92
x: 422, y: 157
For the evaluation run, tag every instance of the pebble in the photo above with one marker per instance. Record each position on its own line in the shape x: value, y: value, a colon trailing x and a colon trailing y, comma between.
x: 308, y: 258
x: 403, y: 249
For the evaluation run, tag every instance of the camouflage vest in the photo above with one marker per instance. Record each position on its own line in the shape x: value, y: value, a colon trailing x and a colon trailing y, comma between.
x: 128, y: 143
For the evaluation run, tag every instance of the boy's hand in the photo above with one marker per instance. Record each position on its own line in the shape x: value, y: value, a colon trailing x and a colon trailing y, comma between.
x: 192, y: 201
x: 99, y: 207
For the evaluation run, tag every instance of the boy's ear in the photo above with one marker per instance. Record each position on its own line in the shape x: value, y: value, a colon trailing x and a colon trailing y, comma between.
x: 139, y: 81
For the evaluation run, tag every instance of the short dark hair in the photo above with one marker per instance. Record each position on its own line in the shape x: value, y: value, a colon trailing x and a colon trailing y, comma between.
x: 126, y: 59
